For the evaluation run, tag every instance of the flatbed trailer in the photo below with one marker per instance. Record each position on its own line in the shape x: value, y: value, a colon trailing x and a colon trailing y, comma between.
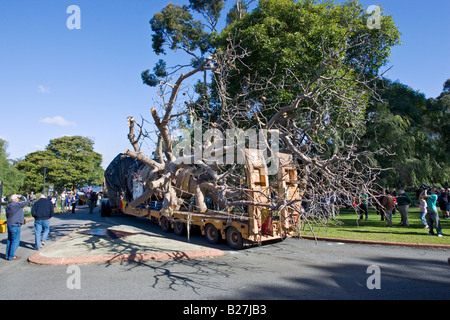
x: 257, y: 225
x: 235, y: 229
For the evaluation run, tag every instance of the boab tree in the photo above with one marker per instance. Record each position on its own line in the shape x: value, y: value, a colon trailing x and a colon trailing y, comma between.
x: 295, y: 77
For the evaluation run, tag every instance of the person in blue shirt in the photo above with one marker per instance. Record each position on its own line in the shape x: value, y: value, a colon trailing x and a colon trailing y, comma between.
x: 14, y: 221
x: 432, y: 215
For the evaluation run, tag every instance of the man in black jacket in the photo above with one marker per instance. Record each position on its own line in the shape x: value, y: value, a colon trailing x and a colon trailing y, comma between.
x: 42, y: 211
x: 444, y: 203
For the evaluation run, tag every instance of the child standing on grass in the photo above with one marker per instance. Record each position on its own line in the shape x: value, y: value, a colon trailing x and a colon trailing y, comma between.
x: 423, y: 211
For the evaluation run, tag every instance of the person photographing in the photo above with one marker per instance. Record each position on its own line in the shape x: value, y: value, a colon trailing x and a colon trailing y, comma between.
x: 14, y: 222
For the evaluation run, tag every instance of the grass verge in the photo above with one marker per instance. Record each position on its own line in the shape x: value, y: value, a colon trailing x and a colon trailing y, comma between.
x: 347, y: 226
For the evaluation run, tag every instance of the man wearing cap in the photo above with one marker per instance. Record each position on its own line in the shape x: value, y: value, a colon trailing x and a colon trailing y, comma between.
x: 42, y: 211
x: 14, y: 221
x: 403, y: 202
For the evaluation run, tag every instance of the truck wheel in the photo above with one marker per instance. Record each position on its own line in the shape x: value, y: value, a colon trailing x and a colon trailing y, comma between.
x: 179, y: 227
x: 105, y: 210
x: 234, y: 238
x: 211, y: 233
x: 165, y: 224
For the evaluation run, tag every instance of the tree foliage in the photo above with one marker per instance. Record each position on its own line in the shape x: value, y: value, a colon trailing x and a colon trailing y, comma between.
x: 415, y: 130
x: 12, y: 178
x: 71, y: 162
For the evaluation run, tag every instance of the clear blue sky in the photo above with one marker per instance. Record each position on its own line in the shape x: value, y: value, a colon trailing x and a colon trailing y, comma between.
x: 55, y: 81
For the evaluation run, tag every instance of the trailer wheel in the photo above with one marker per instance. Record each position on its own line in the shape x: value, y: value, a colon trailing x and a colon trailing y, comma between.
x: 105, y: 209
x: 234, y: 238
x: 165, y: 224
x: 211, y: 233
x: 179, y: 227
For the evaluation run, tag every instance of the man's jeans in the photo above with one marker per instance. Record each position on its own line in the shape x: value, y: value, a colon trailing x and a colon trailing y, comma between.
x: 433, y: 217
x: 40, y: 225
x: 13, y: 241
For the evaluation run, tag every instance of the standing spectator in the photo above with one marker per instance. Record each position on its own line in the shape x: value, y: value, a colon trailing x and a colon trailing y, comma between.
x: 63, y: 199
x: 388, y: 205
x: 32, y: 198
x: 73, y: 201
x: 448, y: 203
x: 443, y: 203
x: 364, y: 206
x: 92, y: 201
x: 68, y: 200
x: 403, y: 202
x: 423, y: 211
x: 42, y: 211
x: 53, y: 198
x: 432, y: 215
x: 14, y: 221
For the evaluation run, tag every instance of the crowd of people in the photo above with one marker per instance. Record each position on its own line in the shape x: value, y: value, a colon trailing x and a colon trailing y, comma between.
x: 387, y: 202
x: 42, y: 211
x: 68, y: 200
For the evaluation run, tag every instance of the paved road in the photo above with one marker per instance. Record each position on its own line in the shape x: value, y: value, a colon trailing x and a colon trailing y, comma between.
x: 292, y: 269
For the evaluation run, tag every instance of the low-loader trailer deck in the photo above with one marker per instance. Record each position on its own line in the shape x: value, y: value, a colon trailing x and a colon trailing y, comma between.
x: 238, y: 226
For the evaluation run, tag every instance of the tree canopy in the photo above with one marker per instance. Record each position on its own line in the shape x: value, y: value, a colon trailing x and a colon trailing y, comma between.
x: 70, y: 162
x: 12, y: 178
x: 416, y: 132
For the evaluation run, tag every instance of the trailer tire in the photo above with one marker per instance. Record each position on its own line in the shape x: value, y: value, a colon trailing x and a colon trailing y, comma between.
x: 179, y: 227
x: 212, y: 234
x: 234, y: 238
x: 165, y: 224
x: 105, y: 209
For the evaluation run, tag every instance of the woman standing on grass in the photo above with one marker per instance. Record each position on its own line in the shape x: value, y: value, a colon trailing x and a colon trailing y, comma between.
x: 423, y: 211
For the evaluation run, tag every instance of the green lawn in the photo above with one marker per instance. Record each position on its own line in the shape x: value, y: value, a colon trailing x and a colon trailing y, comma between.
x: 347, y: 227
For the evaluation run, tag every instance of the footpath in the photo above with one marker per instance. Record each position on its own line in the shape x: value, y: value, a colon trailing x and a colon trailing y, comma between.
x: 105, y: 241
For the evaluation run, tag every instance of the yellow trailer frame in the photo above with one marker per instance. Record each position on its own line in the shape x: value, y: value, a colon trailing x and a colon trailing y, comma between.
x: 238, y: 229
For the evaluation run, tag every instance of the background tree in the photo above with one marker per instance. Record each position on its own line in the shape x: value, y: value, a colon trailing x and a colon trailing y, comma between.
x: 71, y: 163
x: 415, y: 130
x: 12, y: 178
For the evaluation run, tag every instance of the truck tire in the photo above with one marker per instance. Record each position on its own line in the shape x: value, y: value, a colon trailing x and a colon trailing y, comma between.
x: 234, y: 238
x: 105, y: 209
x: 212, y: 234
x: 179, y: 227
x: 165, y: 224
